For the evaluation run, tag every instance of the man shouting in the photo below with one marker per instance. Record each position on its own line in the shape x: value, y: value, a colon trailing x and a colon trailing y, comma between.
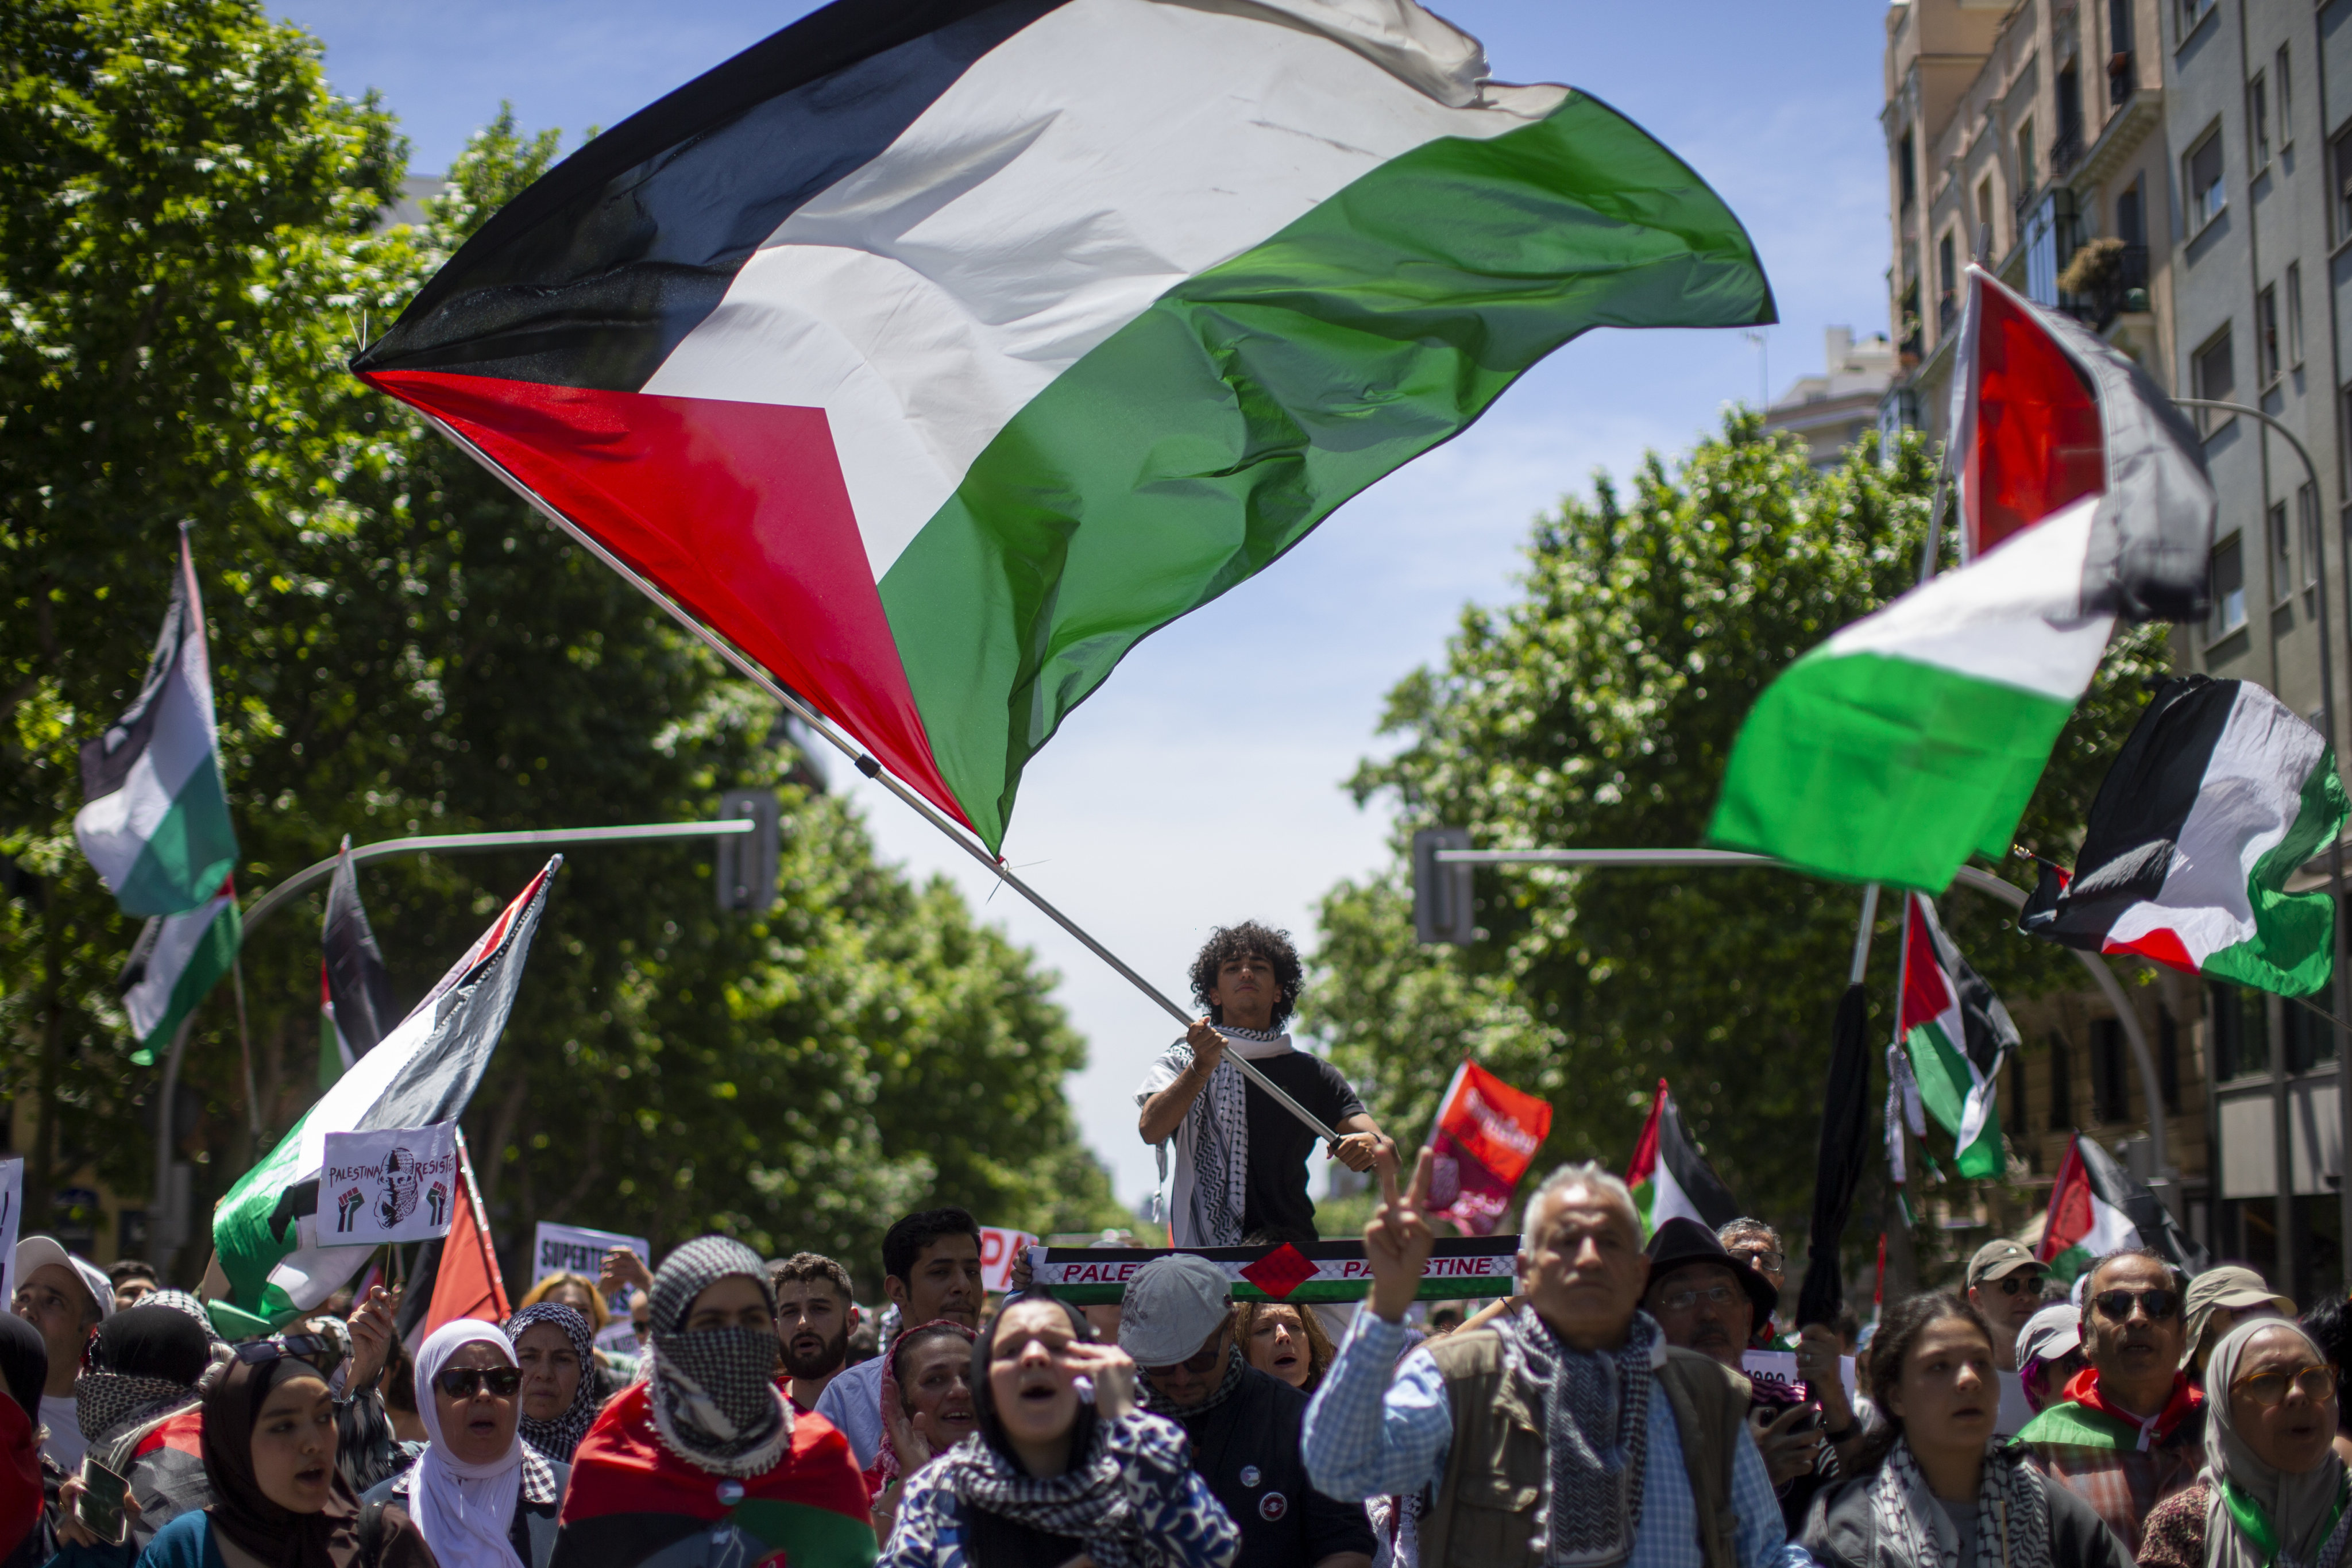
x: 1241, y: 1156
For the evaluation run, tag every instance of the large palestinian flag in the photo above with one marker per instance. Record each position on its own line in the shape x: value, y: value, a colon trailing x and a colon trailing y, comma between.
x: 2221, y: 793
x: 422, y: 1073
x: 2095, y: 1208
x: 1670, y: 1178
x: 155, y: 818
x: 936, y: 354
x: 1913, y: 737
x: 1956, y: 1035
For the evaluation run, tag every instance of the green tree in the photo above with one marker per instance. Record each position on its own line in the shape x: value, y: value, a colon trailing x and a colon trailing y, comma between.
x: 399, y: 647
x: 1598, y: 709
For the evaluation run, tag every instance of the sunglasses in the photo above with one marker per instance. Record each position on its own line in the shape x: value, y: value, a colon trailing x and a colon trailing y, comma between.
x: 2269, y: 1388
x: 1204, y: 1362
x: 279, y: 1347
x: 2116, y: 1306
x: 2012, y: 1284
x: 460, y: 1382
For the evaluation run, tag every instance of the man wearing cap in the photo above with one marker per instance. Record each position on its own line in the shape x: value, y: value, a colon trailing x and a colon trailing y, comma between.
x: 1176, y: 1324
x: 2004, y: 1283
x: 1708, y: 1299
x: 65, y: 1298
x: 2220, y: 1300
x: 1566, y: 1431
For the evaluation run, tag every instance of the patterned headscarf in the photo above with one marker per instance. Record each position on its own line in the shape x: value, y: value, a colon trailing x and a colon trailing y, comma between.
x: 1596, y: 1435
x: 558, y: 1438
x: 885, y: 1458
x: 714, y: 1400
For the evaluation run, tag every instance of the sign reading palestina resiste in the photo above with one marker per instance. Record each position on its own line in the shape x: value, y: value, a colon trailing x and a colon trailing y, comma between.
x: 388, y: 1185
x: 1485, y: 1138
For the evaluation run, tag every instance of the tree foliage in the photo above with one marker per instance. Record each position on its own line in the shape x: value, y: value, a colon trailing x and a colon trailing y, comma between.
x: 191, y: 236
x: 1598, y: 709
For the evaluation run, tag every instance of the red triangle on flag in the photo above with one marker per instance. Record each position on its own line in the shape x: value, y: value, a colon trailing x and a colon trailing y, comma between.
x: 1280, y: 1272
x: 467, y: 1284
x: 2033, y: 440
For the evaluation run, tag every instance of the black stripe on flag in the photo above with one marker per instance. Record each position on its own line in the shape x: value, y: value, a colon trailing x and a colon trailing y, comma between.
x: 2115, y: 1186
x: 2137, y: 817
x: 106, y: 761
x: 1677, y: 1153
x: 357, y: 985
x: 592, y: 276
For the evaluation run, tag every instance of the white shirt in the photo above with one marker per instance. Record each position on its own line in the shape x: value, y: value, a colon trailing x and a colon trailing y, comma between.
x: 66, y: 1444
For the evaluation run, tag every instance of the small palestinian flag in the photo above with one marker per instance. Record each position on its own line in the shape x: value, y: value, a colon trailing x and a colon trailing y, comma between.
x: 2095, y: 1208
x: 1670, y: 1177
x: 2219, y: 795
x: 355, y: 1004
x: 422, y: 1073
x: 1913, y: 737
x: 173, y: 964
x: 631, y: 1503
x: 154, y: 819
x: 939, y: 354
x: 1957, y: 1033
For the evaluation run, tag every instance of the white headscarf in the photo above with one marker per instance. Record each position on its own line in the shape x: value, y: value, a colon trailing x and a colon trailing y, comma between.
x: 2297, y: 1507
x: 463, y: 1511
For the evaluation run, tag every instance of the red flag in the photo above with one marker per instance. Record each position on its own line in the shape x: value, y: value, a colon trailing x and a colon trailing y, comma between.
x: 467, y: 1284
x: 1486, y: 1135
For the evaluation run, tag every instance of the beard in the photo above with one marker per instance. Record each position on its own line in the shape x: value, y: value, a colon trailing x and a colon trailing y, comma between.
x: 827, y: 1358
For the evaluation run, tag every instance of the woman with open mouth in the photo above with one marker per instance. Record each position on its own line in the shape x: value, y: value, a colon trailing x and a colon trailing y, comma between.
x: 1287, y: 1341
x: 1064, y: 1468
x: 927, y: 1408
x: 1936, y: 1488
x: 270, y: 1443
x: 481, y: 1496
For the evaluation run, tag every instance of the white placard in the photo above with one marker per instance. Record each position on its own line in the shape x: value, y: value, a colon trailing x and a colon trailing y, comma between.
x: 12, y: 1204
x: 1779, y: 1367
x: 576, y: 1249
x: 998, y: 1249
x: 394, y: 1184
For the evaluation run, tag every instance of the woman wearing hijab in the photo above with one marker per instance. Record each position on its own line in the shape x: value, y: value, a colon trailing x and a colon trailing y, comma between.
x: 926, y: 1405
x: 1049, y: 1476
x: 138, y: 1401
x: 1934, y: 1489
x: 480, y: 1495
x: 26, y: 1539
x: 2273, y: 1491
x: 698, y: 1448
x: 561, y: 1393
x: 279, y: 1500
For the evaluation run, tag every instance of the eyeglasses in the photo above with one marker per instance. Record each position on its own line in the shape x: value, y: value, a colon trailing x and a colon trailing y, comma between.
x: 1765, y: 1259
x: 279, y: 1347
x: 1713, y: 1295
x: 2116, y: 1306
x: 1204, y: 1362
x: 460, y: 1382
x: 2269, y: 1388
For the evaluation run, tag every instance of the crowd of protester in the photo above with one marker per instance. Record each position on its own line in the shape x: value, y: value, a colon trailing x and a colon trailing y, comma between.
x: 1599, y: 1418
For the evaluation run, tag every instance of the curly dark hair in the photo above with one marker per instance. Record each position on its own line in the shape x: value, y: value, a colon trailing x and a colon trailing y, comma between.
x: 1249, y: 940
x: 1890, y: 1347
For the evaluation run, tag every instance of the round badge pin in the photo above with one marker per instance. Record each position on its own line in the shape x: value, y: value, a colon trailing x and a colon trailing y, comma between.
x: 1273, y: 1506
x: 730, y: 1492
x: 1250, y: 1477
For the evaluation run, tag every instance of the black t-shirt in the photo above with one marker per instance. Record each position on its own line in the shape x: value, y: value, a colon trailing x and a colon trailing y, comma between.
x: 996, y: 1542
x: 1247, y: 1450
x: 1280, y: 1145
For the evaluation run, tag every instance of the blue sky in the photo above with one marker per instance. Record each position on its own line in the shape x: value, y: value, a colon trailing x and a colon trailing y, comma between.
x: 1202, y: 783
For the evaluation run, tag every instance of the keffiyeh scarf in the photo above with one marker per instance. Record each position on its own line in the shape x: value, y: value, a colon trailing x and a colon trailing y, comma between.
x: 1089, y: 1502
x: 1216, y: 1130
x: 558, y: 1438
x: 1596, y: 1418
x: 714, y: 1400
x: 1158, y: 1404
x: 2013, y: 1514
x: 106, y: 1400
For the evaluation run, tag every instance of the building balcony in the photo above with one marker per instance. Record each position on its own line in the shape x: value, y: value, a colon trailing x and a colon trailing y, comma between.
x: 2105, y: 279
x: 2066, y: 152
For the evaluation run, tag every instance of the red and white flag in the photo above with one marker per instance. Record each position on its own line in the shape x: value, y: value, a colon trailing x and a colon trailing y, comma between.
x: 1485, y: 1138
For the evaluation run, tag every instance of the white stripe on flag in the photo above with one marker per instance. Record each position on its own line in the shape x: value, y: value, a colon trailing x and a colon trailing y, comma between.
x: 150, y: 1001
x: 115, y: 828
x: 1667, y: 1199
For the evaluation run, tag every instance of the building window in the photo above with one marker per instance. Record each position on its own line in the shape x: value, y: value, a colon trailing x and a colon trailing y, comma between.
x: 2308, y: 1039
x: 2024, y: 163
x: 2193, y: 12
x: 2110, y: 1090
x: 1909, y: 177
x: 2266, y: 336
x: 2120, y: 75
x: 2229, y: 611
x: 1948, y: 299
x: 2339, y: 153
x: 2061, y: 1087
x: 2208, y: 193
x: 2282, y: 550
x: 2306, y: 509
x: 2237, y: 1032
x: 2295, y: 314
x: 2258, y: 121
x: 2212, y: 376
x: 2285, y: 83
x: 2066, y: 147
x: 1984, y: 219
x: 2167, y: 1059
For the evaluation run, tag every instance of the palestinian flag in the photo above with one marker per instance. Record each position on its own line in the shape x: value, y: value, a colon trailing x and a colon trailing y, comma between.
x: 937, y: 353
x: 1670, y: 1177
x: 424, y: 1072
x: 1956, y: 1035
x: 355, y: 1004
x: 1913, y: 737
x: 2095, y: 1208
x: 155, y: 818
x: 175, y: 961
x: 632, y: 1502
x: 2219, y: 795
x: 165, y: 1468
x: 457, y: 1275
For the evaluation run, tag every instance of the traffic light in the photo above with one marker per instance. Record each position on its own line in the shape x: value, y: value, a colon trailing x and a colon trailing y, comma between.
x: 747, y: 861
x: 1440, y: 893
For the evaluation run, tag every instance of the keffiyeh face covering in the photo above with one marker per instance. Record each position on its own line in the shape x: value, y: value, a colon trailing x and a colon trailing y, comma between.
x: 714, y: 1400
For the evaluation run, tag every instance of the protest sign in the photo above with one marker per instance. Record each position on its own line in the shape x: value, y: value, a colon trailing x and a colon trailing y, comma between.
x: 1458, y: 1269
x: 998, y: 1249
x: 576, y: 1249
x: 389, y: 1184
x: 1779, y: 1369
x: 12, y: 1201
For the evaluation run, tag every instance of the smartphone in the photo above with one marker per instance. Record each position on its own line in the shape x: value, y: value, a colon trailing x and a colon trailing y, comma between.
x: 99, y: 1506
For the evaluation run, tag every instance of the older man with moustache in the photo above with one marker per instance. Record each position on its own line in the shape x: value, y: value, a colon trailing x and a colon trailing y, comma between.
x: 1567, y: 1432
x: 2131, y: 1429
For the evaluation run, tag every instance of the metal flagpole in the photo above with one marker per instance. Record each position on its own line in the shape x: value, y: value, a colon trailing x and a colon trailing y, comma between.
x: 866, y: 763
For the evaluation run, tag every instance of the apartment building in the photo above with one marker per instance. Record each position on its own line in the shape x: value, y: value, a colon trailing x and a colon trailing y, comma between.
x: 1833, y: 410
x: 2174, y: 175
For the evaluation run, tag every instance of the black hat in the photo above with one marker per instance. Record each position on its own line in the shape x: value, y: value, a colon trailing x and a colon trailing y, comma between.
x: 1681, y: 1240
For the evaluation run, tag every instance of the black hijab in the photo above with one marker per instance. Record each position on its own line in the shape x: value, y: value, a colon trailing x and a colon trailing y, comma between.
x: 245, y: 1514
x: 983, y: 1396
x: 24, y: 1362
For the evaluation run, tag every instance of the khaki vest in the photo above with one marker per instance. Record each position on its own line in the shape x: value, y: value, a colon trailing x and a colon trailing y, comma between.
x: 1484, y: 1513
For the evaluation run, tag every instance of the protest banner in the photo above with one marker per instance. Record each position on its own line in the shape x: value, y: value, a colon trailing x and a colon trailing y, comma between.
x: 12, y: 1203
x: 1485, y: 1136
x: 387, y: 1185
x: 1779, y: 1369
x: 576, y: 1249
x: 1466, y: 1268
x: 998, y: 1249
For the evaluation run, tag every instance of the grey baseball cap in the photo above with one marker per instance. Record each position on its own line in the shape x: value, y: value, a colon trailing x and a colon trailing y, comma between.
x: 1172, y: 1305
x: 2049, y: 1333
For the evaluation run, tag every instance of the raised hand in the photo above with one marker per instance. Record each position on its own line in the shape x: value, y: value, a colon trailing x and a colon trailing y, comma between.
x: 1113, y: 1372
x: 1791, y: 1444
x: 1398, y: 1240
x: 372, y: 1325
x: 1208, y: 1046
x: 623, y: 1268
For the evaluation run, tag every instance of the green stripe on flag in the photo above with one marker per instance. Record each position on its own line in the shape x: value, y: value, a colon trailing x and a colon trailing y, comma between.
x: 241, y: 1233
x: 1946, y: 1081
x: 1878, y: 769
x: 190, y: 849
x: 1193, y: 446
x: 2294, y: 943
x: 210, y: 959
x: 2071, y: 1262
x: 808, y: 1536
